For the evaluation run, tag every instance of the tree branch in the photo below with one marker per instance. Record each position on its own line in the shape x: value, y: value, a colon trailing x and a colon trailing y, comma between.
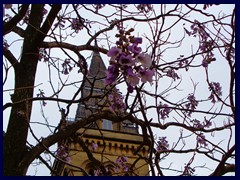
x: 10, y: 57
x: 49, y: 21
x: 18, y: 31
x: 72, y: 47
x: 65, y: 133
x: 222, y: 168
x: 8, y: 26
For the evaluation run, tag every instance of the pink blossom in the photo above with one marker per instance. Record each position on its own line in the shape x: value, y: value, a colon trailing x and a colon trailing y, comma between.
x: 163, y: 110
x: 144, y: 59
x: 144, y: 7
x: 124, y: 159
x: 171, y: 73
x: 126, y: 60
x: 68, y: 159
x: 135, y: 49
x: 94, y: 146
x: 137, y: 40
x: 192, y: 104
x: 98, y: 6
x: 63, y: 153
x: 197, y: 124
x: 116, y: 102
x: 216, y: 91
x: 130, y: 88
x: 77, y: 24
x: 125, y: 168
x: 204, y: 63
x: 97, y: 172
x: 111, y: 74
x: 162, y: 144
x: 114, y: 51
x: 121, y: 162
x: 132, y: 78
x: 146, y: 75
x: 201, y: 139
x: 45, y: 11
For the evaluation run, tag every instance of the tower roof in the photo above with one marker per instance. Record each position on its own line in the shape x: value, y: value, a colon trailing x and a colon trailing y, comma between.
x: 97, y: 67
x: 94, y: 85
x: 94, y: 90
x: 97, y: 71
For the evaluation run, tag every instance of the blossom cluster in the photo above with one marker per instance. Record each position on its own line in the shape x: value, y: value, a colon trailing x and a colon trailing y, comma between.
x: 98, y: 6
x: 216, y: 90
x: 77, y: 24
x: 162, y: 144
x: 201, y: 139
x: 121, y: 163
x: 172, y: 74
x: 43, y: 55
x: 63, y: 153
x: 206, y: 43
x: 116, y: 102
x: 66, y: 65
x: 163, y: 110
x: 192, y: 103
x: 197, y: 124
x: 25, y: 18
x: 127, y: 59
x: 94, y: 146
x: 145, y: 7
x: 99, y: 172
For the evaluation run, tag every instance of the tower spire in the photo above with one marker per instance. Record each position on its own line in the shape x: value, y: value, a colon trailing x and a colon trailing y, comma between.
x: 114, y: 139
x: 97, y: 67
x: 94, y: 85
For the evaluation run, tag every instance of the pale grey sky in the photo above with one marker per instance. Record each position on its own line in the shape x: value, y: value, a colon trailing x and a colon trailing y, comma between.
x: 217, y: 73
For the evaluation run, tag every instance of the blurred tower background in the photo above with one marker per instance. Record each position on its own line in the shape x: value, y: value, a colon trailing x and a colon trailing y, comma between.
x: 108, y: 141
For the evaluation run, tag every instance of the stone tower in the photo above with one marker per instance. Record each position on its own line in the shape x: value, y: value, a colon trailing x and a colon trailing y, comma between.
x: 112, y: 144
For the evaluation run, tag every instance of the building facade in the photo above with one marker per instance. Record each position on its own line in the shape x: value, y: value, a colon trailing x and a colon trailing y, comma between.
x: 104, y: 143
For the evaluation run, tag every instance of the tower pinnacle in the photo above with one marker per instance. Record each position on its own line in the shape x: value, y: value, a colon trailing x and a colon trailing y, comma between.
x: 97, y: 67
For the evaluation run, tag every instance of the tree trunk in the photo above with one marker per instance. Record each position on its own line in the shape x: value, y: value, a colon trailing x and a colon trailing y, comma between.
x: 16, y: 135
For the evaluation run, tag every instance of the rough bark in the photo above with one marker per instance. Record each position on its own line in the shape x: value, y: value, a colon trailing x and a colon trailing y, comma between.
x: 16, y: 136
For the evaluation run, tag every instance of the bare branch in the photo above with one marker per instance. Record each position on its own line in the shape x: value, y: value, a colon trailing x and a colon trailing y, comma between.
x: 8, y: 26
x: 10, y: 57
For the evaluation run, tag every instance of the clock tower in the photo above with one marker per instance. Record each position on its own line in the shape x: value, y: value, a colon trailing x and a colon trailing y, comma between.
x: 104, y: 143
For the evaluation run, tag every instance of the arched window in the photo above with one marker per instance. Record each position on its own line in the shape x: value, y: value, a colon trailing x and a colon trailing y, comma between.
x: 107, y: 124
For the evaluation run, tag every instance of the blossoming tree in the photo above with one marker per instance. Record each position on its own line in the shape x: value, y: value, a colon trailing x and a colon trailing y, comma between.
x: 174, y: 64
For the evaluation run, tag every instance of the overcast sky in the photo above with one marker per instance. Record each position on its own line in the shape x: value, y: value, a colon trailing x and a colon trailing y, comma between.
x: 51, y: 112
